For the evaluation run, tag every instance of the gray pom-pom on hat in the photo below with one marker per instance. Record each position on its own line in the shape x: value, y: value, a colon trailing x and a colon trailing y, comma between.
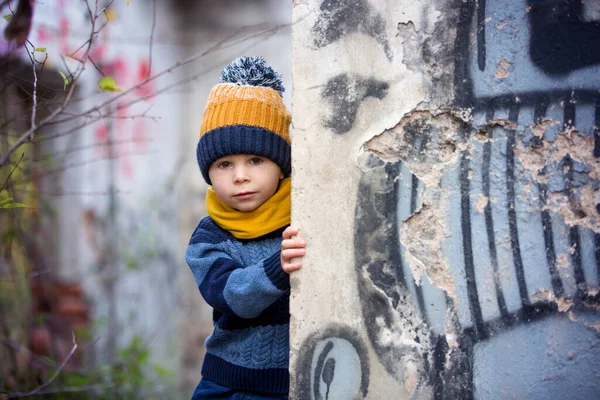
x: 252, y: 71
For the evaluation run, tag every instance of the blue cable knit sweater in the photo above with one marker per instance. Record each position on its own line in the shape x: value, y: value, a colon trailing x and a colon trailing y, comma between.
x: 244, y: 283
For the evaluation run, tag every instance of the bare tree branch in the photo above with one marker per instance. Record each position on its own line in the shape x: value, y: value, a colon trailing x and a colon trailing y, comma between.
x: 35, y: 79
x: 223, y: 44
x: 27, y: 135
x: 49, y: 381
x: 11, y: 172
x: 151, y: 39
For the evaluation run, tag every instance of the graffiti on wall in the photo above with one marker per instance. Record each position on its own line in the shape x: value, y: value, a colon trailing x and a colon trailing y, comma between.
x: 520, y: 199
x: 477, y: 246
x: 333, y: 364
x: 344, y: 93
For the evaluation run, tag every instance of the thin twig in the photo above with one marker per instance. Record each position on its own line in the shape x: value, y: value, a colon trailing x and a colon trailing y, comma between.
x: 11, y: 172
x: 34, y: 95
x: 96, y: 66
x: 151, y: 39
x: 49, y: 381
x: 32, y: 274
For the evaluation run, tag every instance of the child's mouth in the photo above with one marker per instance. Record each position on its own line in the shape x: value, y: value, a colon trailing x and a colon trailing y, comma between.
x: 245, y: 195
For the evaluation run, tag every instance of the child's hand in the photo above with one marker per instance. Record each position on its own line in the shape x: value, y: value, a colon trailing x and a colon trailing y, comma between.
x: 291, y: 247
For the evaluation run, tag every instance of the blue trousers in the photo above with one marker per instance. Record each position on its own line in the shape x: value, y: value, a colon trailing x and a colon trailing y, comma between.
x: 209, y: 390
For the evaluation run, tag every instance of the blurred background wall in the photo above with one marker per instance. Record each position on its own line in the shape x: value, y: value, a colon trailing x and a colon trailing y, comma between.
x: 112, y: 189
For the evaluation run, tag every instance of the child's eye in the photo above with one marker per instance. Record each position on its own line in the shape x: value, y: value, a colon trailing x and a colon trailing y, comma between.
x: 256, y: 161
x: 224, y: 164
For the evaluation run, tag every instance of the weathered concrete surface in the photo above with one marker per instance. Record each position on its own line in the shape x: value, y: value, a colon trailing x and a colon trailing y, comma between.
x: 446, y: 180
x: 358, y: 88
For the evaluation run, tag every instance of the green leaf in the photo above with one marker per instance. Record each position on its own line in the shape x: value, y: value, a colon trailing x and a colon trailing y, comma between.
x: 6, y: 200
x: 109, y: 84
x: 65, y: 79
x: 14, y: 205
x: 40, y: 49
x: 163, y: 372
x: 131, y: 264
x: 8, y: 17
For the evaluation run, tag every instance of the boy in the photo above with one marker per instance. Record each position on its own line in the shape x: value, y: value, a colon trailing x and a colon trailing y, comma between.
x: 241, y: 254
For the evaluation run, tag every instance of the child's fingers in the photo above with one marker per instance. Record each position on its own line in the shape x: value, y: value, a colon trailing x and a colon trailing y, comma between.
x: 288, y: 254
x: 292, y: 267
x: 289, y: 232
x: 293, y: 243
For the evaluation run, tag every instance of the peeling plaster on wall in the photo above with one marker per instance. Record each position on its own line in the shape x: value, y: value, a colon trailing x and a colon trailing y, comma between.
x: 503, y: 69
x: 426, y: 144
x: 411, y: 41
x: 568, y: 161
x: 423, y: 139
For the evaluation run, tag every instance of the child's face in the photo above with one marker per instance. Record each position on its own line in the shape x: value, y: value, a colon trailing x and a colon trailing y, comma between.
x: 244, y: 181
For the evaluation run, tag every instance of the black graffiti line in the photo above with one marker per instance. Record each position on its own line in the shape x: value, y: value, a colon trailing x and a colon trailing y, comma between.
x: 395, y: 229
x: 597, y: 129
x: 597, y: 155
x: 557, y: 285
x: 512, y: 212
x: 574, y: 237
x: 465, y: 222
x: 440, y: 350
x: 413, y: 206
x: 319, y: 369
x: 569, y: 120
x: 597, y: 253
x: 462, y: 78
x: 575, y: 242
x: 489, y: 221
x: 481, y: 54
x: 393, y: 214
x: 414, y: 191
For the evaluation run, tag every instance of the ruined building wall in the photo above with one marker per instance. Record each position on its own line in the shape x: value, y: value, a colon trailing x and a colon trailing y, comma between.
x: 447, y: 183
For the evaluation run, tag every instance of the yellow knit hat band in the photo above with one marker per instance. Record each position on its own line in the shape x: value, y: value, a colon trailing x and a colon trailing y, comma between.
x: 229, y: 104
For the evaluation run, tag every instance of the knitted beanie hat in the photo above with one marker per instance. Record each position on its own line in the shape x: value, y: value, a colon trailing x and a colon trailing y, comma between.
x: 245, y: 114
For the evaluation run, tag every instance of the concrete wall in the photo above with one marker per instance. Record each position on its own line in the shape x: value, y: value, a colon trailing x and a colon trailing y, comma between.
x: 447, y: 183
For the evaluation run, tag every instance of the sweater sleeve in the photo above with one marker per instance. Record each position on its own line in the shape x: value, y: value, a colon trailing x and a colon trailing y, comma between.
x: 226, y: 284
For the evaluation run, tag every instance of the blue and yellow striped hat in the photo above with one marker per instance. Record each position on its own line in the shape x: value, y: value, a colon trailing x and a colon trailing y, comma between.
x: 245, y: 114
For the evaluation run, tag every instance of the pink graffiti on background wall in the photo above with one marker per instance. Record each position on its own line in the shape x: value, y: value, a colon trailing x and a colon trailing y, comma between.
x: 130, y: 133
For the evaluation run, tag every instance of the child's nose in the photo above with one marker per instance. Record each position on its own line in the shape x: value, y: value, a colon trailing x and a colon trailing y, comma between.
x: 240, y: 174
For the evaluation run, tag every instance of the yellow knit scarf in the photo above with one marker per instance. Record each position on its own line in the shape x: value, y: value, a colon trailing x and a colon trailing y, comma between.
x: 273, y: 214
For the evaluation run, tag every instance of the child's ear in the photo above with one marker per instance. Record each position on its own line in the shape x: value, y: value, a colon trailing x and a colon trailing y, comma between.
x: 280, y: 175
